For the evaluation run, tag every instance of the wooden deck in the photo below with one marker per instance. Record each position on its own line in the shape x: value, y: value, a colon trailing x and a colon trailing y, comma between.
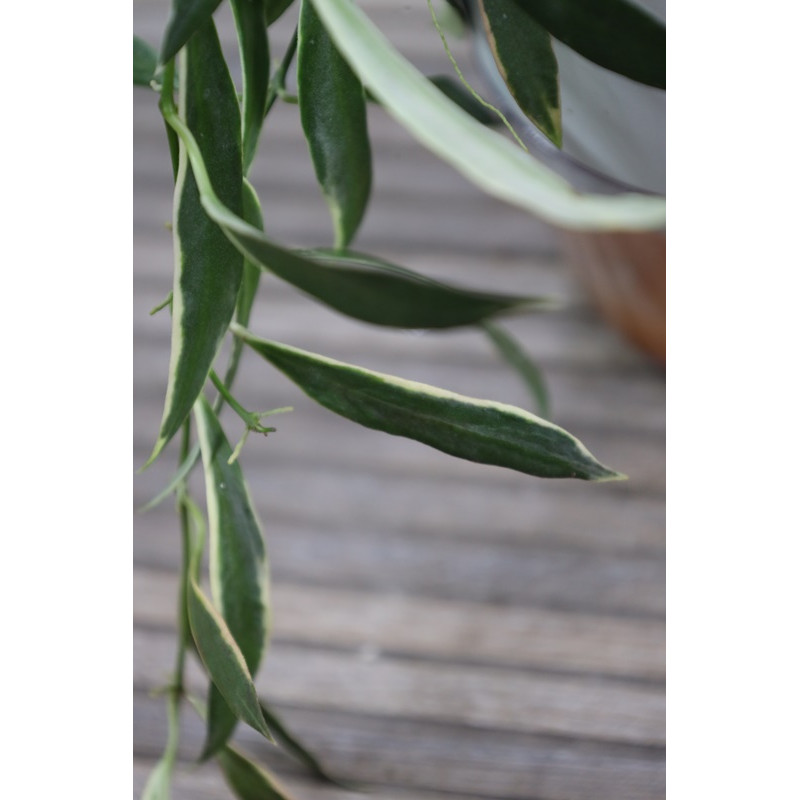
x: 442, y: 630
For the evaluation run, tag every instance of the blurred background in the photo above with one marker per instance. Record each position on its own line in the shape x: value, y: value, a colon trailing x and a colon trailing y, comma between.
x: 441, y: 629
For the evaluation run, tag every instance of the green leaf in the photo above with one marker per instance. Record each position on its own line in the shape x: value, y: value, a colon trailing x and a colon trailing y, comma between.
x: 524, y: 55
x: 208, y: 268
x: 615, y: 34
x: 223, y: 659
x: 465, y: 427
x: 251, y: 212
x: 187, y: 17
x: 483, y: 155
x: 456, y: 91
x: 249, y: 781
x: 145, y: 62
x: 360, y: 287
x: 275, y: 9
x: 376, y: 291
x: 290, y: 742
x: 237, y: 558
x: 334, y: 117
x: 251, y: 29
x: 517, y: 358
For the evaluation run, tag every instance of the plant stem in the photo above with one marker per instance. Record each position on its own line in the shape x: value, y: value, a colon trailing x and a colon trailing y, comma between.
x: 278, y: 83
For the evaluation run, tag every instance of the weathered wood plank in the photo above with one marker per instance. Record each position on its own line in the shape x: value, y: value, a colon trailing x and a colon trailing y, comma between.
x: 440, y: 629
x: 387, y: 560
x: 475, y: 697
x: 426, y: 758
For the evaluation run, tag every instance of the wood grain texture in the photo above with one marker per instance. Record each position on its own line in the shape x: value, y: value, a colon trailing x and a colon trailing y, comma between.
x: 442, y: 630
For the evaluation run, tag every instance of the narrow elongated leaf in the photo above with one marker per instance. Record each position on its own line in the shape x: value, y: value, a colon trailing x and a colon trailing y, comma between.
x: 333, y: 112
x: 511, y: 351
x: 383, y: 293
x: 365, y: 290
x: 465, y: 427
x: 524, y: 55
x: 145, y: 62
x: 223, y: 659
x: 251, y: 212
x: 208, y: 269
x: 275, y: 9
x: 616, y: 34
x: 291, y: 743
x: 187, y: 16
x: 251, y: 29
x: 237, y: 561
x: 482, y: 155
x: 249, y: 781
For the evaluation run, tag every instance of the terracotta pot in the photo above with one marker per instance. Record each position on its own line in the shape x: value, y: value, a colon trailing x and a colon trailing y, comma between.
x: 625, y: 273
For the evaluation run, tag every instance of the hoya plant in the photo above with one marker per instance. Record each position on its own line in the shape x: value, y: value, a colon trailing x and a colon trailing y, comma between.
x: 221, y: 247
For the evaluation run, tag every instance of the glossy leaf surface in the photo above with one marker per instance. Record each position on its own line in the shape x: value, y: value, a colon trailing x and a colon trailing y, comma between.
x: 187, y: 16
x: 465, y: 427
x: 616, y: 34
x: 208, y: 268
x: 237, y: 561
x: 483, y: 155
x: 145, y: 61
x: 249, y: 781
x: 223, y: 659
x: 251, y: 29
x: 524, y: 55
x: 334, y: 117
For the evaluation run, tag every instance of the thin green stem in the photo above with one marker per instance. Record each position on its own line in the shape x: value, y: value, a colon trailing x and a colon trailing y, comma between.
x: 277, y: 85
x: 246, y: 415
x: 466, y: 82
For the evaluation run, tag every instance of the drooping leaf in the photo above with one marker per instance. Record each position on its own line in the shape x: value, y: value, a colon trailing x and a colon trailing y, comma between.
x: 483, y: 155
x: 616, y: 34
x: 223, y: 659
x: 250, y: 18
x: 465, y: 427
x: 275, y: 9
x: 334, y: 117
x: 208, y: 268
x: 145, y: 61
x: 456, y: 91
x: 377, y: 291
x: 187, y: 16
x: 362, y: 288
x: 248, y: 780
x: 237, y: 562
x: 283, y: 736
x: 517, y: 358
x: 524, y: 55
